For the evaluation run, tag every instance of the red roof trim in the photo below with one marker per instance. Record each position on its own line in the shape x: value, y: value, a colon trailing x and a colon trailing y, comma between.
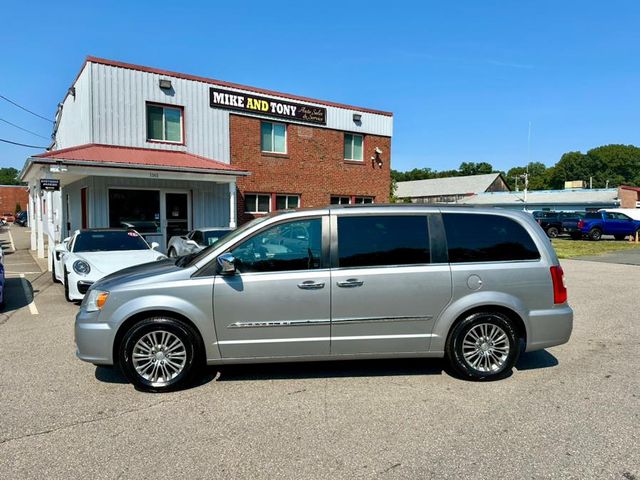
x: 95, y: 153
x: 626, y: 187
x: 221, y: 83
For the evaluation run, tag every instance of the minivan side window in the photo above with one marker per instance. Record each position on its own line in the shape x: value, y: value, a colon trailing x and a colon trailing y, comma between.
x: 487, y: 238
x: 287, y: 246
x: 379, y: 240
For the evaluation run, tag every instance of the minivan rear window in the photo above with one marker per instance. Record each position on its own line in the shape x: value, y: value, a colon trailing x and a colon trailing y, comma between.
x: 487, y: 238
x: 379, y: 240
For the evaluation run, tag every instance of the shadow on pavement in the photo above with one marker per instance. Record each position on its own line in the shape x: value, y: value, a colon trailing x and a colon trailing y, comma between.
x: 336, y: 369
x: 536, y: 360
x: 18, y: 293
x: 110, y: 375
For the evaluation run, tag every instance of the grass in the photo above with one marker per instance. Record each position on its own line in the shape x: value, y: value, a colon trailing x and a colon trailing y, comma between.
x: 566, y: 248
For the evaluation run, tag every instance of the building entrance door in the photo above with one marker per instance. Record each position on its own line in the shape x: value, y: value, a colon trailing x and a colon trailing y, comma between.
x: 176, y: 215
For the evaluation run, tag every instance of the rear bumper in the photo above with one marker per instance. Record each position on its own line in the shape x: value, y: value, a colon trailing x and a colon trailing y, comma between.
x: 548, y: 328
x: 94, y: 339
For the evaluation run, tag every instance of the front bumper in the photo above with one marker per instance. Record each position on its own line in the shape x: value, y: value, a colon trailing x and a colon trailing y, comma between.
x: 548, y: 328
x: 94, y: 339
x: 83, y: 286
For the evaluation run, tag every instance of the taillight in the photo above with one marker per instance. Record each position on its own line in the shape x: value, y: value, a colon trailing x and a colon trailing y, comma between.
x: 559, y: 288
x: 580, y: 223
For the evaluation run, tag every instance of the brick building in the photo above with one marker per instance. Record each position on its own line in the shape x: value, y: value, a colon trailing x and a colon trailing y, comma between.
x: 629, y: 196
x: 12, y: 196
x: 166, y: 152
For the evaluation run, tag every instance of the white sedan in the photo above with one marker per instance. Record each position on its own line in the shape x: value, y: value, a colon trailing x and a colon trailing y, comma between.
x: 89, y: 255
x: 195, y: 241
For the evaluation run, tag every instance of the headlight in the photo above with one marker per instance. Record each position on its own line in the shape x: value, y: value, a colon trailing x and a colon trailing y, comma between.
x: 95, y: 300
x: 81, y: 267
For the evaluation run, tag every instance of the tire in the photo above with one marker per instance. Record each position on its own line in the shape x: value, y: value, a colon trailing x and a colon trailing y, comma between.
x: 53, y: 272
x: 620, y: 237
x: 172, y: 253
x: 595, y: 234
x: 160, y: 373
x: 483, y: 360
x: 66, y: 285
x: 552, y: 232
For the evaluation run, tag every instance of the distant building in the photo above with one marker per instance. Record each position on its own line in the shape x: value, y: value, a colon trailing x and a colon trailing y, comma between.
x: 12, y: 196
x: 450, y: 189
x: 629, y: 196
x: 559, y: 200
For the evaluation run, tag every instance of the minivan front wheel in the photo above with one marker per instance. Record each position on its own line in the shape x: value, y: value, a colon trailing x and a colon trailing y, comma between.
x: 483, y: 346
x: 159, y: 354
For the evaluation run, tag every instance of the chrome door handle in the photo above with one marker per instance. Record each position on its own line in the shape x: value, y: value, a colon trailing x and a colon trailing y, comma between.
x: 311, y: 285
x: 350, y: 283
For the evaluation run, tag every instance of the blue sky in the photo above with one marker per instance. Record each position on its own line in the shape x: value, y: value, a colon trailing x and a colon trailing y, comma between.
x: 464, y: 78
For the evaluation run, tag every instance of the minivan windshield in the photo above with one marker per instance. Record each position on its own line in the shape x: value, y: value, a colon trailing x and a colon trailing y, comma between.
x: 193, y: 258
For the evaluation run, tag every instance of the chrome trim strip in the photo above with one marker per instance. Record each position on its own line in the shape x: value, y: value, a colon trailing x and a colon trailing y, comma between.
x: 323, y: 339
x: 298, y: 323
x: 408, y: 318
x: 279, y: 323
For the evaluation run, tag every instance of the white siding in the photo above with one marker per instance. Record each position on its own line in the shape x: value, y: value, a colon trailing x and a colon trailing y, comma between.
x: 74, y: 126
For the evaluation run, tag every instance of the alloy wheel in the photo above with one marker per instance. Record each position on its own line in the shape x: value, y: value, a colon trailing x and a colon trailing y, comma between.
x: 485, y: 347
x: 159, y: 356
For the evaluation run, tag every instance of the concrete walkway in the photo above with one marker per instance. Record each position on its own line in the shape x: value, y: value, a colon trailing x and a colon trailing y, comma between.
x: 25, y: 277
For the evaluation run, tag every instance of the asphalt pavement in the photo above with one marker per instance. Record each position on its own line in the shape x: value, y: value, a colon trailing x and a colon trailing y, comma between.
x: 571, y: 411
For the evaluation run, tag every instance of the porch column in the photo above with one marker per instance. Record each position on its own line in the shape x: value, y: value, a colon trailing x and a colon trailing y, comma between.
x: 32, y: 214
x: 233, y: 206
x: 40, y: 224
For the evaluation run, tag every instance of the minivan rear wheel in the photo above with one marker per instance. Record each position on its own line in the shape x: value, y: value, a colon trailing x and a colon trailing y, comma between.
x: 483, y: 346
x: 159, y: 354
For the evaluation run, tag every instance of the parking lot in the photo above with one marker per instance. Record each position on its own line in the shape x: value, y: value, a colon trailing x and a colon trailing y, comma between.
x: 571, y: 411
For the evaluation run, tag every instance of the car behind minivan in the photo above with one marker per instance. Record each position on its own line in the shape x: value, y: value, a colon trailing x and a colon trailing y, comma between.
x: 473, y: 285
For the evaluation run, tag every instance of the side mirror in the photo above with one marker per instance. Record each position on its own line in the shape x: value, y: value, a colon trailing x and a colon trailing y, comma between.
x: 193, y: 243
x: 226, y: 264
x: 61, y: 247
x: 154, y: 245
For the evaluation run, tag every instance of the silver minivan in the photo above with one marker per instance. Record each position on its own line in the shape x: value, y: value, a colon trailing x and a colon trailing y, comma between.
x: 476, y: 286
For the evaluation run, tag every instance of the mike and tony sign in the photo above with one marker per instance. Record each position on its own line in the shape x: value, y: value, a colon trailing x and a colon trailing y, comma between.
x: 231, y: 100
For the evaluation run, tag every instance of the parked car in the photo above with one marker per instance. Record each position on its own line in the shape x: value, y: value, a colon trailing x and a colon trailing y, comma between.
x: 1, y: 277
x: 596, y: 224
x: 195, y: 241
x: 372, y: 282
x: 22, y: 219
x: 553, y: 222
x: 634, y: 213
x: 89, y: 255
x: 8, y: 217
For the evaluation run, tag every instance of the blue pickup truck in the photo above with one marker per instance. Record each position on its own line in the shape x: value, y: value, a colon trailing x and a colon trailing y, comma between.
x: 596, y: 224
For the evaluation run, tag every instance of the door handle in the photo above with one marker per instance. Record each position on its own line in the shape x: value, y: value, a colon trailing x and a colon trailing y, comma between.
x: 311, y: 285
x: 350, y: 283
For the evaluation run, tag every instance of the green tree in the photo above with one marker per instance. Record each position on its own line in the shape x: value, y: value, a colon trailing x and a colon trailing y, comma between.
x: 9, y: 176
x: 472, y: 168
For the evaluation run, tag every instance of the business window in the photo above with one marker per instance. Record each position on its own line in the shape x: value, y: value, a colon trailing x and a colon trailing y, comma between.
x: 285, y: 202
x: 256, y: 203
x: 273, y: 137
x: 164, y: 124
x: 353, y: 147
x: 336, y: 200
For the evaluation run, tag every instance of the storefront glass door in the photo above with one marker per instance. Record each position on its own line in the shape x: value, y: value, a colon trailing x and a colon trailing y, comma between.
x: 176, y: 215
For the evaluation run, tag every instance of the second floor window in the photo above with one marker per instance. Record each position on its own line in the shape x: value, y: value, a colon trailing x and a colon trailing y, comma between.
x: 164, y: 124
x: 273, y: 137
x: 352, y: 147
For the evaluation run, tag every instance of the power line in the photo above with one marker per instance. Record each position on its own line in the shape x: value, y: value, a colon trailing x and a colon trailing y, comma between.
x: 22, y: 144
x: 23, y: 129
x: 25, y: 109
